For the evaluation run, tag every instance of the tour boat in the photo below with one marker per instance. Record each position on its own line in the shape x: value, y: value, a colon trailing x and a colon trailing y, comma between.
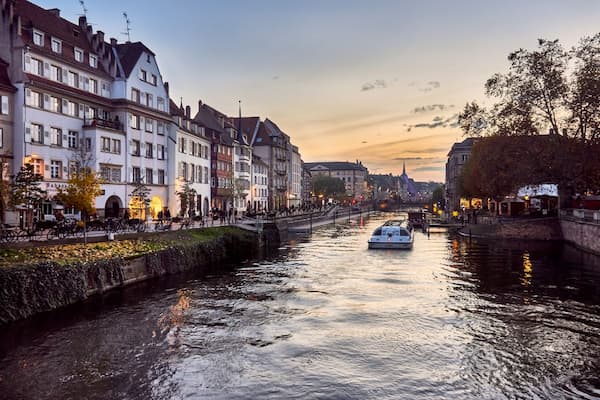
x: 394, y: 234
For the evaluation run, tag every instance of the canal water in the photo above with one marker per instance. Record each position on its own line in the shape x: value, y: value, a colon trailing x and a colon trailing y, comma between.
x: 327, y: 318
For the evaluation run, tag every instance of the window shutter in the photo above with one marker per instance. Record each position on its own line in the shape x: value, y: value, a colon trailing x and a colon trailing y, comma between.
x: 46, y: 102
x: 65, y: 75
x: 46, y: 69
x: 27, y: 64
x: 65, y: 104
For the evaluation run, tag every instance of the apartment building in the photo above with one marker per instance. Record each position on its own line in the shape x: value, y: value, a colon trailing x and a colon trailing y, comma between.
x: 189, y: 162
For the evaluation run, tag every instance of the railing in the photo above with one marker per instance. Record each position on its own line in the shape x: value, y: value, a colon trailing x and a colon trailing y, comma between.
x: 102, y: 123
x: 581, y: 214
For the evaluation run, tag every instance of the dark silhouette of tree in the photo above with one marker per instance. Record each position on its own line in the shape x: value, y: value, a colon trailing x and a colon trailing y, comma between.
x: 328, y: 186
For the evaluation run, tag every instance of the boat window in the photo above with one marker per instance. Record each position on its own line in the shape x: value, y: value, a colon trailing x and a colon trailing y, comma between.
x: 404, y: 232
x: 377, y: 232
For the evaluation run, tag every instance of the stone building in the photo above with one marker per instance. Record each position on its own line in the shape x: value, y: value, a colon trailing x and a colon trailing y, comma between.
x: 457, y: 157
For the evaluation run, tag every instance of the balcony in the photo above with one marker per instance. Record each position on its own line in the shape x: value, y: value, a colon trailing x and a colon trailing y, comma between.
x: 102, y: 123
x: 280, y: 172
x: 281, y: 157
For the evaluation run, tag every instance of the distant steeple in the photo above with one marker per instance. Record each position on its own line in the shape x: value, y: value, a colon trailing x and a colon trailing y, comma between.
x: 403, y: 167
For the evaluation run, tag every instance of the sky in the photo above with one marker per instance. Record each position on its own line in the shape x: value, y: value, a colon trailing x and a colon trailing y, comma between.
x: 377, y: 81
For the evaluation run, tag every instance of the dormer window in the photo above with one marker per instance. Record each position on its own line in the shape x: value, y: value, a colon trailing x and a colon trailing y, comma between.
x: 56, y: 45
x: 38, y: 38
x: 143, y: 75
x: 78, y: 55
x: 153, y: 80
x: 93, y: 61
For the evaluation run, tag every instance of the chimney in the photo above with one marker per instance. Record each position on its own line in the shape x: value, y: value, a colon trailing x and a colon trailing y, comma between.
x: 199, y: 105
x: 113, y: 42
x: 188, y: 112
x: 55, y: 12
x: 82, y: 22
x: 166, y: 85
x: 100, y: 36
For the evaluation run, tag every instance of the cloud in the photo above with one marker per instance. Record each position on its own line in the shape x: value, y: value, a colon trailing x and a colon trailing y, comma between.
x: 437, y: 159
x: 364, y: 141
x: 429, y: 86
x: 275, y: 77
x: 437, y: 122
x: 376, y: 84
x: 432, y: 107
x: 428, y: 169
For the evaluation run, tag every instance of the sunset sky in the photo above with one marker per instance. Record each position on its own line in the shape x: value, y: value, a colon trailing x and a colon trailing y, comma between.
x: 379, y: 81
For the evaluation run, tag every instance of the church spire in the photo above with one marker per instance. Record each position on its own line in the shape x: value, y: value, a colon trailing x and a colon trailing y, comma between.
x: 403, y: 167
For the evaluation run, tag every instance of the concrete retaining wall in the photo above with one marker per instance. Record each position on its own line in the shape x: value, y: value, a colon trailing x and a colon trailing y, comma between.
x: 582, y: 234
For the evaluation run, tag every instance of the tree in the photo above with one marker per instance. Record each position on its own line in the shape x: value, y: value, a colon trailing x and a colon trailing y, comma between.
x: 26, y: 190
x: 81, y: 192
x: 82, y: 189
x: 4, y: 189
x: 187, y: 197
x: 438, y: 197
x: 328, y: 186
x: 140, y: 199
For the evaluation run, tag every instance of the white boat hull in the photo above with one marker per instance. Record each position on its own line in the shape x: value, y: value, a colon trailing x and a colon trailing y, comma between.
x: 391, y: 245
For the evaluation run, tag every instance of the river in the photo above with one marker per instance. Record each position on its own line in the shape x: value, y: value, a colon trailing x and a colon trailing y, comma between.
x: 328, y: 318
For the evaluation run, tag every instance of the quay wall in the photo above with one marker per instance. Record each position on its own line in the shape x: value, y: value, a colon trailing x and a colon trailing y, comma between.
x: 530, y: 229
x: 584, y: 235
x: 30, y: 289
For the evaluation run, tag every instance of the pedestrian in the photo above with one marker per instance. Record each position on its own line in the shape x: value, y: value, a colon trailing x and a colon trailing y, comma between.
x: 168, y: 214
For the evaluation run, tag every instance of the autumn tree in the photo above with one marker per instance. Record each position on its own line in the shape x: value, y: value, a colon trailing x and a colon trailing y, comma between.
x: 4, y: 189
x: 328, y: 186
x: 140, y: 196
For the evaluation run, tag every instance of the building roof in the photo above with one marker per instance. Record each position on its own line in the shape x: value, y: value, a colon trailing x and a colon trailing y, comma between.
x: 175, y: 110
x: 129, y: 54
x: 52, y: 25
x: 335, y: 166
x: 206, y: 117
x: 248, y: 126
x: 5, y: 83
x: 465, y: 145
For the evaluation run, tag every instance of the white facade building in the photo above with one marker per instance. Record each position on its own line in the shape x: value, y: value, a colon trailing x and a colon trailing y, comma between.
x: 295, y: 178
x: 259, y: 189
x: 189, y: 162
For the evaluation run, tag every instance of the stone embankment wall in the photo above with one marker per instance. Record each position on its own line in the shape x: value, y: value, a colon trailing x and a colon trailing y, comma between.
x: 582, y: 234
x: 31, y: 289
x: 529, y: 229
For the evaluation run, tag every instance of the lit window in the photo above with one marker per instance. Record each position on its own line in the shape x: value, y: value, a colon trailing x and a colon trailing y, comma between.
x: 37, y: 133
x: 37, y: 67
x: 56, y: 136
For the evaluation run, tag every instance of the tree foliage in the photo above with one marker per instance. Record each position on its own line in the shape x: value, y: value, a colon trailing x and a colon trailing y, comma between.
x: 328, y: 186
x: 187, y: 196
x: 438, y: 197
x: 26, y: 188
x: 140, y: 196
x: 81, y: 191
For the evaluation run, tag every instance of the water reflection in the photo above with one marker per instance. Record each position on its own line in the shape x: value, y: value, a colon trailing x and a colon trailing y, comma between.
x: 328, y: 318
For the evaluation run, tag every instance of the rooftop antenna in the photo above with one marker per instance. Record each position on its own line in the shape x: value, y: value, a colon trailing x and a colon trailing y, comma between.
x: 85, y: 10
x: 127, y: 28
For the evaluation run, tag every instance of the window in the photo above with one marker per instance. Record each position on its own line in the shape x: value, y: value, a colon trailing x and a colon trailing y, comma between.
x: 36, y: 99
x: 184, y: 171
x: 135, y: 121
x: 56, y: 136
x: 135, y: 147
x: 160, y: 103
x: 56, y: 45
x: 193, y: 148
x: 37, y: 67
x: 56, y: 73
x: 182, y: 145
x: 1, y: 137
x: 38, y: 166
x: 55, y: 169
x: 160, y: 152
x: 73, y: 139
x: 72, y: 109
x: 137, y: 177
x: 78, y: 55
x: 135, y: 95
x: 73, y: 79
x: 192, y: 172
x: 161, y: 177
x: 93, y: 61
x: 55, y: 104
x: 149, y: 125
x: 205, y: 174
x: 93, y: 86
x: 149, y: 99
x: 110, y: 173
x: 37, y: 133
x: 160, y: 128
x: 38, y: 38
x: 105, y: 145
x: 153, y: 80
x: 143, y: 75
x: 4, y: 105
x: 149, y: 176
x: 116, y: 146
x: 199, y: 174
x: 148, y: 150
